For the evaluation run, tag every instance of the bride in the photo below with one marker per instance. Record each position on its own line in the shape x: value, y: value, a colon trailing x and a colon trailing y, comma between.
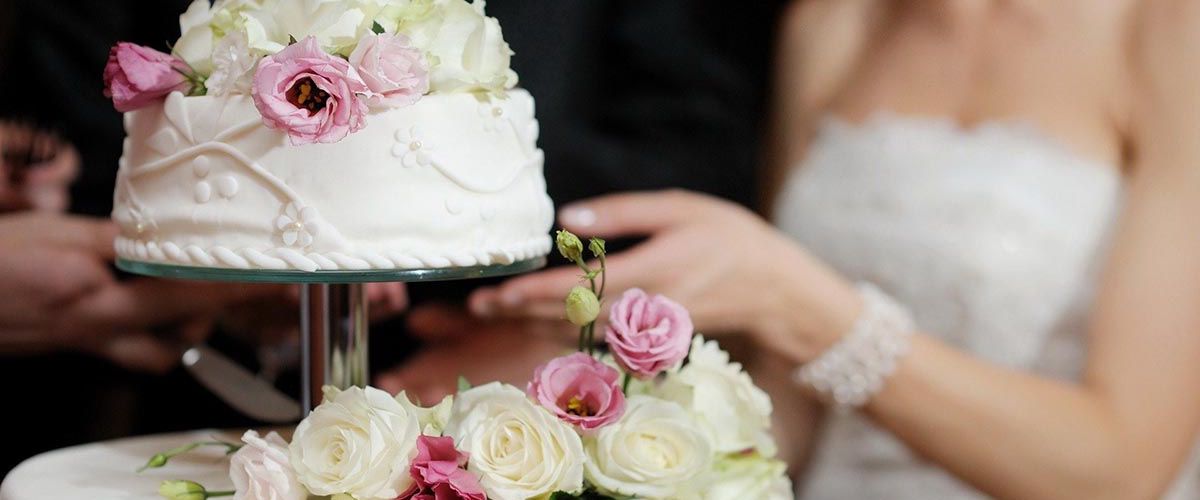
x: 986, y: 249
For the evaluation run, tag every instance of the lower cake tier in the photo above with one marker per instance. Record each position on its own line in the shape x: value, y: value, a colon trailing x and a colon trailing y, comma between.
x: 452, y: 181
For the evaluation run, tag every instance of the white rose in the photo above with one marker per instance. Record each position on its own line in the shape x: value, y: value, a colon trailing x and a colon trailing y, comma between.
x: 336, y: 24
x: 260, y: 470
x: 751, y: 476
x: 233, y: 66
x: 656, y: 450
x: 358, y: 442
x: 518, y: 450
x: 433, y: 419
x: 465, y: 48
x: 195, y: 43
x: 202, y: 29
x: 731, y: 407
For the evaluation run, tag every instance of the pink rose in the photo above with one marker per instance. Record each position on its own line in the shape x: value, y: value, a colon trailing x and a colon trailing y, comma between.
x: 310, y: 94
x: 136, y: 76
x: 440, y: 474
x: 392, y: 68
x: 579, y: 390
x: 648, y: 334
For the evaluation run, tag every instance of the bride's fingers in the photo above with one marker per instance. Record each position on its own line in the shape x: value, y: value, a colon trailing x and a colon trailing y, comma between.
x: 517, y: 292
x: 631, y: 214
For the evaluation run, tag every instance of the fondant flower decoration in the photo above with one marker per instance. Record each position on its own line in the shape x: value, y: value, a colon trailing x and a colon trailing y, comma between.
x: 392, y: 68
x: 311, y: 95
x: 298, y: 226
x: 411, y: 149
x: 493, y: 115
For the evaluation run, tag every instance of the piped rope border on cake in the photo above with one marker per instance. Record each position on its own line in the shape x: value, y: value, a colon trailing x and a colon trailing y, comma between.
x: 282, y: 258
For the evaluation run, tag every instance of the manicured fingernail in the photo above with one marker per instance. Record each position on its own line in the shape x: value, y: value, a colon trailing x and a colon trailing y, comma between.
x: 579, y: 216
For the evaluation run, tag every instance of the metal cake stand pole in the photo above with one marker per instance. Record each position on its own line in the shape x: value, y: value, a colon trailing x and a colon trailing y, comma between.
x: 333, y: 311
x: 333, y: 338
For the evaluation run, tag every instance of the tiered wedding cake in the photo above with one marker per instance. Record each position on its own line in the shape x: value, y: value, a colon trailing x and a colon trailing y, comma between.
x: 328, y: 136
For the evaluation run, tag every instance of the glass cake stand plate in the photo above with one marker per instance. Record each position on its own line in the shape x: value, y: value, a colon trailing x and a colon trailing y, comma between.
x: 333, y: 310
x: 327, y: 277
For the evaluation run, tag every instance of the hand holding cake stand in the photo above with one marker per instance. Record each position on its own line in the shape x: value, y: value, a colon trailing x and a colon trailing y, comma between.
x: 333, y: 311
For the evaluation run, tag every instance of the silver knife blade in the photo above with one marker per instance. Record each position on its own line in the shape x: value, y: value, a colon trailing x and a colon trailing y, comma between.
x: 238, y: 387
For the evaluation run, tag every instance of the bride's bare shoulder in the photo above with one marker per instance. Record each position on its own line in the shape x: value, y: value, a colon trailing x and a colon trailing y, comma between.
x: 1164, y: 49
x: 819, y: 43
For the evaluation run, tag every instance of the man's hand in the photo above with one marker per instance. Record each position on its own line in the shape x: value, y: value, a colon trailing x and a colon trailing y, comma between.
x: 459, y: 345
x: 60, y: 294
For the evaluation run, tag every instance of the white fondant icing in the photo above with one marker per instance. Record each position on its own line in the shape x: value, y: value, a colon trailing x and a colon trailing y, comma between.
x: 227, y: 186
x: 203, y: 192
x: 454, y: 204
x: 201, y: 166
x: 350, y: 207
x: 165, y: 141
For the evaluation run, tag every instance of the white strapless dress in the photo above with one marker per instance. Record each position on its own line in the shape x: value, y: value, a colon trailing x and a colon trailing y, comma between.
x: 992, y: 236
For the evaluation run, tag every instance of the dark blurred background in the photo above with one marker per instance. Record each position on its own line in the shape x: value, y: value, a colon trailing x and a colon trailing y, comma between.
x: 631, y: 94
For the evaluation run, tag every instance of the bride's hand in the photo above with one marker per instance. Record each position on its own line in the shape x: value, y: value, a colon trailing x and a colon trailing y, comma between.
x: 733, y: 271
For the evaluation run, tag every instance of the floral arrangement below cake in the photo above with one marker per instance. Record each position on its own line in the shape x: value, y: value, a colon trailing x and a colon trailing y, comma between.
x: 655, y: 412
x: 315, y: 68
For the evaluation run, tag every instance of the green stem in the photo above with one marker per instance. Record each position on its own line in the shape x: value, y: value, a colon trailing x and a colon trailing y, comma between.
x: 213, y: 494
x: 591, y: 335
x: 583, y: 339
x: 603, y: 278
x: 625, y: 384
x: 179, y: 450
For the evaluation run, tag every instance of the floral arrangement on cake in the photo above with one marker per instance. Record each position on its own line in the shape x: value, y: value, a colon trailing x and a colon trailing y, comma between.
x: 315, y: 68
x: 656, y: 412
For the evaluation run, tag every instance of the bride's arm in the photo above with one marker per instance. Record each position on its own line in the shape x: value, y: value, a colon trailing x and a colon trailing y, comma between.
x: 1125, y: 429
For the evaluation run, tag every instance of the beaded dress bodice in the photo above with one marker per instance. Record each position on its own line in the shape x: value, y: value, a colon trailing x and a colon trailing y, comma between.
x: 991, y: 236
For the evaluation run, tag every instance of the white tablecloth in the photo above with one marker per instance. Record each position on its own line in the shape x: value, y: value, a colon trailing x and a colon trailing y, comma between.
x: 104, y: 471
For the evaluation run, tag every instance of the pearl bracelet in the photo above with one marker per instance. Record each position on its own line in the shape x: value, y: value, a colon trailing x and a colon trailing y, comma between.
x: 853, y: 370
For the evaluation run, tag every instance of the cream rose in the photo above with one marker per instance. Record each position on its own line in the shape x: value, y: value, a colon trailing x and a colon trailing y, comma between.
x: 336, y: 24
x: 465, y: 48
x: 518, y: 450
x: 195, y: 43
x: 657, y: 450
x: 260, y: 470
x: 751, y: 476
x: 358, y: 442
x: 433, y: 419
x: 734, y: 410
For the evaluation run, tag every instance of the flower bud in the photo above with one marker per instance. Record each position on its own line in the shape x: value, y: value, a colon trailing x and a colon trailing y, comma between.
x: 569, y: 246
x: 182, y: 490
x: 582, y: 306
x: 158, y: 460
x: 596, y: 245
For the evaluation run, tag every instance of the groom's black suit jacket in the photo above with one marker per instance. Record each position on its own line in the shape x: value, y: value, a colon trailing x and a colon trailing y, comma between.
x: 631, y: 94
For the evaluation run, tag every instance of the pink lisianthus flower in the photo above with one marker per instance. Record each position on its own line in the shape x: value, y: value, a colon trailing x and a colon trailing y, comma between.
x: 579, y: 390
x: 648, y: 334
x: 439, y: 473
x: 311, y: 95
x: 394, y: 70
x: 136, y: 76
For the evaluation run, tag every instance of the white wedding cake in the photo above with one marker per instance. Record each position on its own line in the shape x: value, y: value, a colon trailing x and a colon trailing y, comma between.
x: 360, y: 136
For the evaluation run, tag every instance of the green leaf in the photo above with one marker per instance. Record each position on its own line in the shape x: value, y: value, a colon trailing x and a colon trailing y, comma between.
x: 463, y: 384
x: 292, y: 40
x: 377, y: 28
